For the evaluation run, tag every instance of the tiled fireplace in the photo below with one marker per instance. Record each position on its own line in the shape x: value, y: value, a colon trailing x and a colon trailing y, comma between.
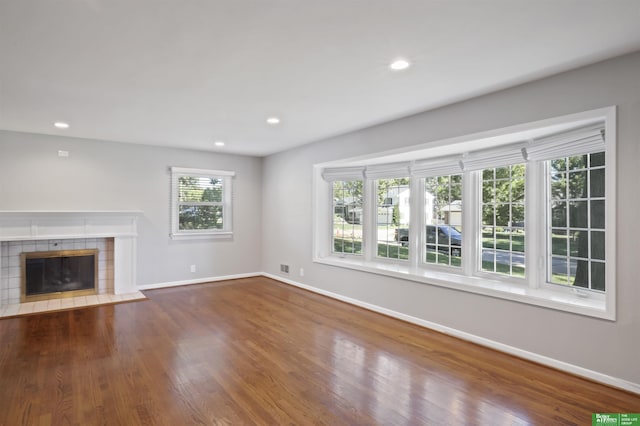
x: 112, y: 233
x: 10, y: 272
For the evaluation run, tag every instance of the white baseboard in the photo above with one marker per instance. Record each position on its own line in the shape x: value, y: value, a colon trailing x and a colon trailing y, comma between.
x: 531, y: 356
x: 198, y: 281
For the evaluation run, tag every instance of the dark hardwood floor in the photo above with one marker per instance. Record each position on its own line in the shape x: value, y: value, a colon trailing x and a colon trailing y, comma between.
x: 256, y: 351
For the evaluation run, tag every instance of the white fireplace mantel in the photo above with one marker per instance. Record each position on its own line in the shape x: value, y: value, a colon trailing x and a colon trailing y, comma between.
x: 121, y: 225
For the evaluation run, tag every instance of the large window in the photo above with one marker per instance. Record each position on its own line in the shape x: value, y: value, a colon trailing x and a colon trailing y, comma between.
x: 527, y: 215
x: 576, y: 245
x: 201, y: 202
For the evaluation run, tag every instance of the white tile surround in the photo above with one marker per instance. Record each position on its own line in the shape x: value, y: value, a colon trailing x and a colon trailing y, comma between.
x: 10, y: 262
x: 113, y: 233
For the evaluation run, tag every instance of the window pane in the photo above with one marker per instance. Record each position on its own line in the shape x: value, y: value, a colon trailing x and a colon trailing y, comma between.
x: 577, y: 245
x: 597, y: 183
x: 578, y: 184
x: 503, y: 220
x: 558, y: 186
x: 502, y: 173
x: 597, y: 245
x: 393, y: 210
x: 488, y: 218
x: 347, y: 217
x: 517, y: 215
x: 559, y: 214
x: 597, y: 159
x: 487, y: 192
x: 559, y: 242
x: 558, y: 165
x: 517, y: 189
x: 489, y: 260
x: 518, y: 270
x: 559, y: 270
x: 517, y: 240
x: 488, y: 237
x: 443, y: 220
x: 581, y: 273
x: 578, y: 214
x: 488, y: 174
x: 199, y: 217
x: 597, y: 214
x: 199, y: 189
x: 577, y: 162
x: 598, y: 275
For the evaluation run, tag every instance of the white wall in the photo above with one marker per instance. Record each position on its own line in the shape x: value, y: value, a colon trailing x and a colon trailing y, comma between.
x: 115, y: 176
x: 610, y: 348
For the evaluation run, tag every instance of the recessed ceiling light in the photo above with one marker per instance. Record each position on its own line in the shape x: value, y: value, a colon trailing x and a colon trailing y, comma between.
x: 273, y: 120
x: 399, y: 65
x: 61, y: 125
x: 218, y: 143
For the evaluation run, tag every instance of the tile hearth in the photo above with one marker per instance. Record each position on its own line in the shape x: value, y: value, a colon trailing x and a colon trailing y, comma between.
x: 18, y: 309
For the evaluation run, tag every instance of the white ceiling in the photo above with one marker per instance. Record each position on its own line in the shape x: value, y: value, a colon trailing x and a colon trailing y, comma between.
x: 185, y: 73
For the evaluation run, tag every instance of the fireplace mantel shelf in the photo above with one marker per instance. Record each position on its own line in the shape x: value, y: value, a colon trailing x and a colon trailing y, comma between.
x: 40, y: 224
x: 70, y: 212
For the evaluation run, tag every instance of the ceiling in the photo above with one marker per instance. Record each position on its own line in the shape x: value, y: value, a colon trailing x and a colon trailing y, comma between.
x: 186, y: 73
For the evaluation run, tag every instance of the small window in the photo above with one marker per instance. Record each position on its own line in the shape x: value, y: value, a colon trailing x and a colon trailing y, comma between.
x: 503, y: 228
x: 443, y: 220
x: 392, y: 230
x: 347, y: 217
x: 201, y: 203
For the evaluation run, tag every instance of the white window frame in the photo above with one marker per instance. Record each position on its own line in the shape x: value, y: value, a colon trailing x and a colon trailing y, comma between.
x: 364, y: 215
x: 534, y: 290
x: 227, y: 203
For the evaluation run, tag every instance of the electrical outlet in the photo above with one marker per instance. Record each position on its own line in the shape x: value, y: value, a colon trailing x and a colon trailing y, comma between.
x: 284, y: 268
x: 193, y: 268
x: 302, y: 272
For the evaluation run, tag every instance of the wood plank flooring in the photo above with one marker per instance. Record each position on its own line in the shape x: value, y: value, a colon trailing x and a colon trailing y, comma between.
x: 256, y: 351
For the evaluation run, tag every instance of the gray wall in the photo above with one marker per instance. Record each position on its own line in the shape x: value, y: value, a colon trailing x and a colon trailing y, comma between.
x: 114, y: 176
x: 607, y: 347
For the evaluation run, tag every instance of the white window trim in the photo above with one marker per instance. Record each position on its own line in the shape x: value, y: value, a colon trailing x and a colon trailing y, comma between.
x: 227, y: 204
x: 534, y: 290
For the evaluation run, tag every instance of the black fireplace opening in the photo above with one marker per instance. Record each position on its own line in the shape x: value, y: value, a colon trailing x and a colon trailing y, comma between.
x: 59, y: 272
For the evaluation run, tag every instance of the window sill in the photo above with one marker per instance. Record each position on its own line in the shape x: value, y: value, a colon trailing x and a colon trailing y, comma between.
x: 202, y: 235
x: 562, y: 299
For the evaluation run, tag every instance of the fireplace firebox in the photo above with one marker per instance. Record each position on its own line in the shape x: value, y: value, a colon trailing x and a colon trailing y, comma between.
x: 58, y: 274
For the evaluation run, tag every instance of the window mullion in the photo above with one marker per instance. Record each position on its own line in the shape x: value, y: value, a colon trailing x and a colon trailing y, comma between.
x: 416, y: 221
x: 369, y: 226
x: 535, y: 225
x: 471, y: 219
